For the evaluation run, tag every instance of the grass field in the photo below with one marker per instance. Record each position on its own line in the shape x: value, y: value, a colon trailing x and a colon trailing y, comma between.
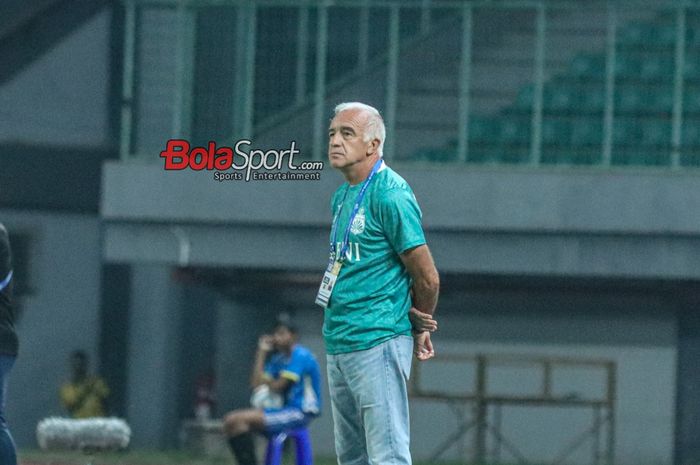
x: 31, y: 457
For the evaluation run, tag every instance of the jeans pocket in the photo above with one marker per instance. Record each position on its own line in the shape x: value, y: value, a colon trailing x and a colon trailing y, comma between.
x: 404, y: 354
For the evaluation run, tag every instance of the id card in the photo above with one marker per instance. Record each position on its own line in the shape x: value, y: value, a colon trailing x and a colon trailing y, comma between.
x: 327, y: 283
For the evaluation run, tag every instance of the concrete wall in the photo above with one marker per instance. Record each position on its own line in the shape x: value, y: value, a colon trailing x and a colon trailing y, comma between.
x: 62, y: 314
x: 62, y: 98
x: 509, y: 220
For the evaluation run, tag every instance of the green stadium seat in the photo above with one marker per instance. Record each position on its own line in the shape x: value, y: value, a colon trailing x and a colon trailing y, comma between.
x: 592, y: 98
x: 571, y: 156
x: 630, y: 98
x: 556, y: 131
x: 690, y: 134
x: 691, y: 68
x: 634, y: 34
x: 560, y: 97
x: 641, y: 99
x: 657, y: 67
x: 691, y: 100
x: 515, y: 130
x: 666, y: 34
x: 525, y: 99
x: 515, y: 155
x: 656, y: 133
x: 484, y: 130
x: 587, y: 132
x: 627, y: 66
x: 640, y: 156
x: 691, y: 158
x: 626, y: 132
x: 644, y: 35
x: 588, y: 66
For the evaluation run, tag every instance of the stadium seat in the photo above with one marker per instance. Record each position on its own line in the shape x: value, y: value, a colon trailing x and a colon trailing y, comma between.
x: 587, y: 132
x: 515, y: 155
x: 592, y: 98
x: 657, y: 67
x: 484, y: 130
x: 691, y: 69
x: 556, y: 131
x: 524, y: 100
x: 628, y: 66
x: 646, y: 35
x: 691, y: 101
x: 666, y: 34
x: 626, y: 132
x: 656, y: 133
x: 640, y: 99
x: 690, y: 158
x: 690, y: 136
x: 515, y: 130
x: 571, y: 156
x: 304, y: 455
x: 641, y: 157
x: 560, y: 97
x: 588, y: 66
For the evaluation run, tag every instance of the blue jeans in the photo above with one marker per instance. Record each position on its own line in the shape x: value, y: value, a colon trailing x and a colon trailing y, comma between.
x: 8, y: 454
x: 369, y: 399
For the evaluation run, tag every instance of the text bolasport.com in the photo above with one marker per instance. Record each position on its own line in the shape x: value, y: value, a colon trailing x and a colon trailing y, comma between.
x: 240, y: 162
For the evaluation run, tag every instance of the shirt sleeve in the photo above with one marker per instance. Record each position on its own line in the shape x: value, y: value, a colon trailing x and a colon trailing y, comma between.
x: 269, y: 369
x: 401, y: 220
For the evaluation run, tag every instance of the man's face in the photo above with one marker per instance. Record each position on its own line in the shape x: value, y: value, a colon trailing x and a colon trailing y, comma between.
x: 346, y: 145
x: 282, y: 338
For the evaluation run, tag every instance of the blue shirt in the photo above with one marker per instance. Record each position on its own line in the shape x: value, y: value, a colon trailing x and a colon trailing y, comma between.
x: 301, y: 368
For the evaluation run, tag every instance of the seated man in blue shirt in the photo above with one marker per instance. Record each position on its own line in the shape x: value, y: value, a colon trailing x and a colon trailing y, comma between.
x: 291, y: 373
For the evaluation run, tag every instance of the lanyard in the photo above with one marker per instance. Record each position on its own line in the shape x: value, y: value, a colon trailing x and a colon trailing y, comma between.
x: 355, y: 209
x: 6, y: 281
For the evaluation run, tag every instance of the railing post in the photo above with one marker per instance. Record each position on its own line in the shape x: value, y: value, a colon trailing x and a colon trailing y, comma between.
x: 464, y: 85
x: 536, y: 142
x: 302, y: 52
x: 245, y: 71
x: 425, y: 17
x: 183, y: 73
x: 127, y: 111
x: 677, y: 121
x: 320, y: 91
x: 609, y: 111
x: 392, y: 83
x: 363, y: 36
x: 480, y: 411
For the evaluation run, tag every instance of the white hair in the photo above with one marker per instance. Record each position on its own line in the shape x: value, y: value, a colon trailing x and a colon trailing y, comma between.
x: 375, y: 128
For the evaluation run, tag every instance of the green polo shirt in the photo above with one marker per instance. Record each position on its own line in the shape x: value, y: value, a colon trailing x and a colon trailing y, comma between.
x: 371, y: 298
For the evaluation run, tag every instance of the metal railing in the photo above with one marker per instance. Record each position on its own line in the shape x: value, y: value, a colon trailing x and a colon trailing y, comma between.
x: 485, y: 403
x: 314, y: 101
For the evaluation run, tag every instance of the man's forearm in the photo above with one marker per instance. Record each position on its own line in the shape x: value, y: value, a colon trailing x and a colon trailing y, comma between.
x: 425, y: 296
x: 258, y: 376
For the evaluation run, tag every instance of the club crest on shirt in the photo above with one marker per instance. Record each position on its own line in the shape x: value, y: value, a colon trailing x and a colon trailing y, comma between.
x: 358, y: 224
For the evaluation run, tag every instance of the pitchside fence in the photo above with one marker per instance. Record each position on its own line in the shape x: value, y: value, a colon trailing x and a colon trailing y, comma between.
x: 482, y: 407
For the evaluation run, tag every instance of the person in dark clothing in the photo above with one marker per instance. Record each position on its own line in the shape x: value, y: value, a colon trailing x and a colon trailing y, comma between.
x: 8, y: 344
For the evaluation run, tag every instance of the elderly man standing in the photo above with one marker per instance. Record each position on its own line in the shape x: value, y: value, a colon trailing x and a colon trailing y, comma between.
x: 379, y: 291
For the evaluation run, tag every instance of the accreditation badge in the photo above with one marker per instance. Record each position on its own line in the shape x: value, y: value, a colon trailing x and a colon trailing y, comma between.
x: 328, y: 282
